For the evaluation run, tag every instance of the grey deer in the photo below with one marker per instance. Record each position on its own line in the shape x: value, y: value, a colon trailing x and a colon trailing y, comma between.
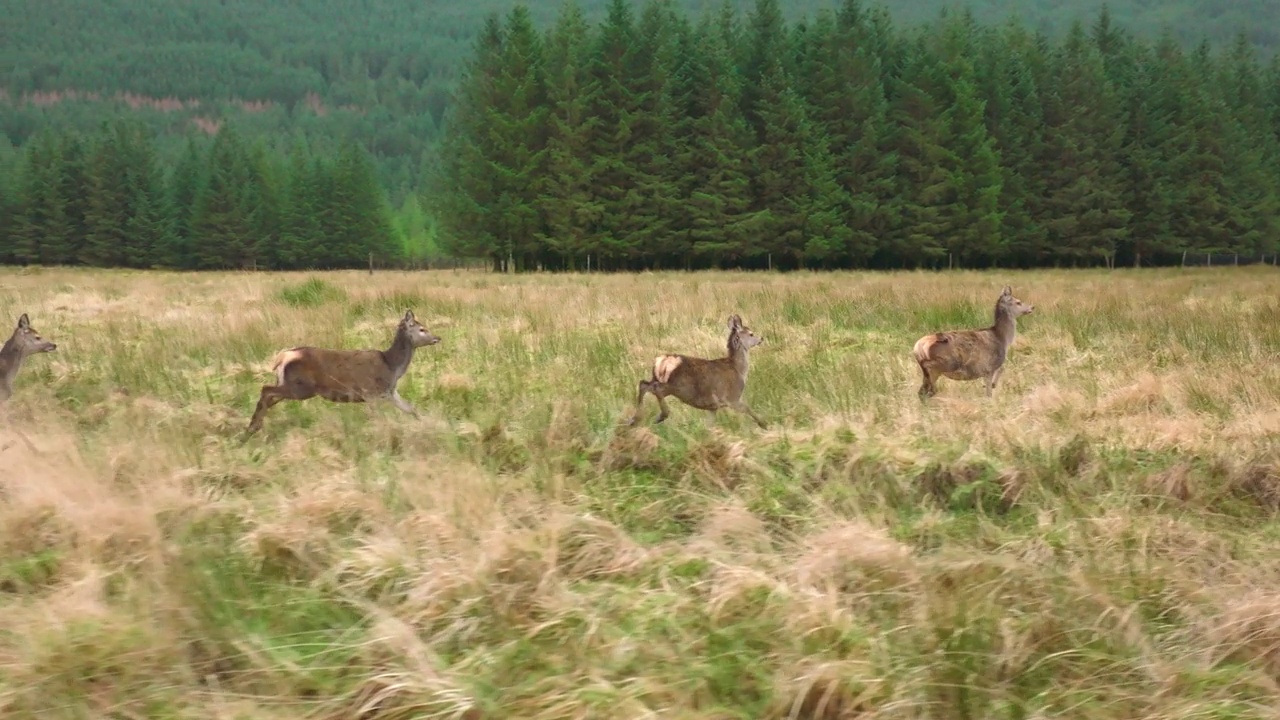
x: 701, y: 383
x: 344, y: 376
x: 24, y: 343
x: 971, y: 354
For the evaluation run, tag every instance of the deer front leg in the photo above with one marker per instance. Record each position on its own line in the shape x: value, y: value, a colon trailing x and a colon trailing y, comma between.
x: 742, y: 407
x: 404, y: 404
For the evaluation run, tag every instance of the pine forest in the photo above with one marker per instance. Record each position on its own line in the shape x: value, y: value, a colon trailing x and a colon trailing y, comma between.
x: 660, y: 137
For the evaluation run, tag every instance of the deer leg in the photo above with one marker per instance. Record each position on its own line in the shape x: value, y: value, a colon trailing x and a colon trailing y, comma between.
x: 991, y: 382
x: 995, y: 376
x: 927, y: 388
x: 742, y: 407
x: 271, y: 394
x: 644, y: 388
x: 662, y: 405
x: 403, y: 404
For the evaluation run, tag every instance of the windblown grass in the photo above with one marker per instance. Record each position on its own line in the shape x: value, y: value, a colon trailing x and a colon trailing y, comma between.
x: 1099, y: 540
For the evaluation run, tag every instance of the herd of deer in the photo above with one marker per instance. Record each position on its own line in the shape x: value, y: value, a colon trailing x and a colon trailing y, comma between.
x: 362, y: 375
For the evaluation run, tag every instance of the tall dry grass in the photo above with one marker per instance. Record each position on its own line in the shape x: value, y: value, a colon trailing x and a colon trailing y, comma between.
x: 1098, y: 540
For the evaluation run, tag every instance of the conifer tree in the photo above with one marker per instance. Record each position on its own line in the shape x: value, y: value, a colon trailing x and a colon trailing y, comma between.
x: 185, y: 183
x: 300, y: 235
x: 924, y: 193
x: 1085, y: 216
x: 467, y: 186
x: 612, y: 102
x: 709, y: 154
x: 797, y: 205
x: 43, y: 232
x: 222, y: 222
x: 109, y: 198
x: 565, y: 194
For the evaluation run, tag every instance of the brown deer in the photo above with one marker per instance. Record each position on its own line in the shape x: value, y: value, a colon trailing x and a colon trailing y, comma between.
x: 24, y: 342
x: 344, y: 375
x: 970, y: 354
x: 701, y: 383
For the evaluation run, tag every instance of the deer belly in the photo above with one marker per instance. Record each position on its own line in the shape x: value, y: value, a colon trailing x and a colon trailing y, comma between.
x: 341, y: 395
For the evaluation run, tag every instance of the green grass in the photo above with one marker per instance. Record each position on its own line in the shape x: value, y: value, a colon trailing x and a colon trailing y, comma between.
x: 1097, y: 540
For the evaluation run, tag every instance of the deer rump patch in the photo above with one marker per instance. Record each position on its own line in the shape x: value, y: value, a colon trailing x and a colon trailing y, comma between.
x: 924, y: 346
x: 664, y: 366
x: 282, y: 361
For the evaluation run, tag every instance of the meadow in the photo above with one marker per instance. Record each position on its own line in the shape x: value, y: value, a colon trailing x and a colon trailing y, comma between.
x: 1099, y: 539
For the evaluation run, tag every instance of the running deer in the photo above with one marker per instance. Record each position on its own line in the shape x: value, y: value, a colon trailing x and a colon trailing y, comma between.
x: 344, y: 375
x: 970, y: 354
x: 701, y: 383
x: 24, y: 342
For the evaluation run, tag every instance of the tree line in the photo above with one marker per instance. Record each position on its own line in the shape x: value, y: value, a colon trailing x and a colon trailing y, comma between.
x: 106, y: 200
x: 662, y: 140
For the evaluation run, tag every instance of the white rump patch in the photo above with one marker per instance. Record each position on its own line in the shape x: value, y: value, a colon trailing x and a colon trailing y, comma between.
x: 664, y: 366
x: 282, y: 361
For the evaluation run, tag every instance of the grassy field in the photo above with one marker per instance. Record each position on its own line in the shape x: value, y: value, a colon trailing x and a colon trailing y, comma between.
x: 1098, y: 540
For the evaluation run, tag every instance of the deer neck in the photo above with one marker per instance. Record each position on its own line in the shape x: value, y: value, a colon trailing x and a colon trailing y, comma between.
x: 1005, y: 327
x: 11, y: 357
x: 399, y: 355
x: 738, y: 357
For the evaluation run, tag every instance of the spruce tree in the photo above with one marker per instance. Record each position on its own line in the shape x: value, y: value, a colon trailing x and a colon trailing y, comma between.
x: 468, y: 185
x: 222, y: 222
x: 43, y: 232
x: 709, y: 160
x: 185, y: 184
x: 564, y: 191
x: 612, y: 102
x: 924, y: 192
x: 1086, y: 219
x: 108, y: 202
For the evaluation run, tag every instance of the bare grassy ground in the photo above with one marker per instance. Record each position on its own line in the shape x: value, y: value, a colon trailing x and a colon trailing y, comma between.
x: 1099, y: 540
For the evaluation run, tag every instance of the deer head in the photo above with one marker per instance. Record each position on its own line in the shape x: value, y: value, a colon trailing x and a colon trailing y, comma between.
x: 1012, y: 305
x: 741, y: 335
x: 27, y: 339
x: 418, y: 335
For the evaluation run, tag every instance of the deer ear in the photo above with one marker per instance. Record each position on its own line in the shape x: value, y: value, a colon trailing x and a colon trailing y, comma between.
x: 1007, y: 291
x: 408, y: 316
x: 24, y: 322
x: 735, y: 322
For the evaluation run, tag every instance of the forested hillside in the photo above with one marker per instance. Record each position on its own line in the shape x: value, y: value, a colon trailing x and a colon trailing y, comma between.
x: 378, y: 71
x: 655, y: 134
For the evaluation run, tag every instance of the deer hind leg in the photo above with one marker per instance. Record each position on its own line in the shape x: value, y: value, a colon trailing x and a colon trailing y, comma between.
x: 664, y: 411
x: 272, y: 394
x: 927, y: 388
x: 640, y: 392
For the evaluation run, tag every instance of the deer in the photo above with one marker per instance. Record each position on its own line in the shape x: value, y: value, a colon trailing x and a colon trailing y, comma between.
x: 970, y: 354
x: 24, y: 343
x: 344, y: 376
x: 701, y: 383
